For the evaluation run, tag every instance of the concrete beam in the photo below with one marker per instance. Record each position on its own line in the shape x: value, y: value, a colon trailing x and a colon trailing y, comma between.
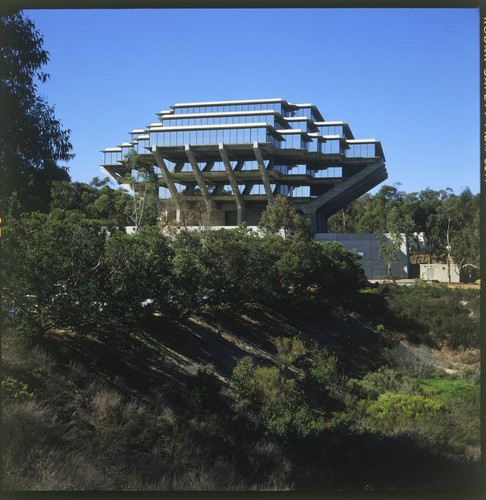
x: 263, y: 172
x: 199, y: 178
x: 167, y: 177
x: 352, y: 187
x: 233, y: 183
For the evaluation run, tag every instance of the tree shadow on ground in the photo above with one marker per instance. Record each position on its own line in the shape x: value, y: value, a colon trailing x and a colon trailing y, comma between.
x: 351, y: 461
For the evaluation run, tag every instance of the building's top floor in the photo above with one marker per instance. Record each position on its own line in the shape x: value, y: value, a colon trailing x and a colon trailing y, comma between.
x: 279, y: 105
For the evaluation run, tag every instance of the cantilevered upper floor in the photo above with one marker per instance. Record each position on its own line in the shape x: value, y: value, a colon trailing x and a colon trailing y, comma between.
x: 234, y: 156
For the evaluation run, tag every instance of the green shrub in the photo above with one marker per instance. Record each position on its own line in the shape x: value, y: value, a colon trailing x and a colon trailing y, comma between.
x: 138, y: 274
x: 274, y: 400
x: 274, y: 386
x: 277, y: 417
x: 447, y: 389
x: 308, y: 423
x: 284, y: 419
x: 289, y: 350
x: 341, y: 273
x: 434, y: 313
x: 322, y: 368
x: 397, y: 408
x: 50, y: 272
x: 380, y: 328
x: 383, y: 380
x: 243, y: 385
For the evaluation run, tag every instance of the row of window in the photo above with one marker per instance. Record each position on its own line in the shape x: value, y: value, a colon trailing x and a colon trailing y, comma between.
x: 241, y: 136
x: 272, y: 120
x: 307, y: 112
x: 212, y: 136
x: 331, y: 130
x: 366, y: 150
x: 255, y: 189
x: 280, y: 107
x: 327, y: 172
x: 301, y: 125
x: 238, y: 136
x: 294, y: 141
x: 252, y: 165
x: 215, y: 108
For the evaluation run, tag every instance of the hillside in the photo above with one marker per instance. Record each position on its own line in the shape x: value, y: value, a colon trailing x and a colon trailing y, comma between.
x: 126, y: 408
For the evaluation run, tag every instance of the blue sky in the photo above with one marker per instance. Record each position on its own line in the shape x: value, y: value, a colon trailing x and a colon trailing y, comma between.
x: 407, y: 77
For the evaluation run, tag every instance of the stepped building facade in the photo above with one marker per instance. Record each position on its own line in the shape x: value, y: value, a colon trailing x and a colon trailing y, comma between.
x: 227, y: 160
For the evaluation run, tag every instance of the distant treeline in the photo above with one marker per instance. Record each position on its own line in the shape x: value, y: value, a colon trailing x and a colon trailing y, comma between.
x: 444, y: 221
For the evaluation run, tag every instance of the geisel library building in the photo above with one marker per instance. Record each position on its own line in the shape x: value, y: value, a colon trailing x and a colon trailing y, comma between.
x: 233, y: 157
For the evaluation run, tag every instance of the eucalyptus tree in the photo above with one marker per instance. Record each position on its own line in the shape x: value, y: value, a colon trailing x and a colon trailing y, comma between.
x: 33, y: 143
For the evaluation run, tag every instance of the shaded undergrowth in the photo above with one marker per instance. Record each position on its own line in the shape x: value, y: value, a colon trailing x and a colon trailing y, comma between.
x: 138, y: 408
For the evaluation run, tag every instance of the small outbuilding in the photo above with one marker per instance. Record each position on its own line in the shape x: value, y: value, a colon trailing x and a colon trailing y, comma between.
x: 440, y: 272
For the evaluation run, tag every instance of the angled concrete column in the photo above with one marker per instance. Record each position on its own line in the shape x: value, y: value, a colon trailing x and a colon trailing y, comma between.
x: 199, y: 178
x: 263, y: 172
x: 167, y: 177
x: 233, y: 183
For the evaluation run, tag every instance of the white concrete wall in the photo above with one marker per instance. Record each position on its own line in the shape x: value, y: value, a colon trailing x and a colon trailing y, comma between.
x: 368, y: 244
x: 439, y: 272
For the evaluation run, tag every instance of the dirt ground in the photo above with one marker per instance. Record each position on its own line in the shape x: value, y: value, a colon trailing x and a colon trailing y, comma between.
x: 410, y: 282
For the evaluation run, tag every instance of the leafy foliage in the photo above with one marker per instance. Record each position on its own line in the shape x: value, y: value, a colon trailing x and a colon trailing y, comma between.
x: 383, y: 380
x: 289, y: 350
x: 274, y: 398
x: 434, y: 314
x: 139, y: 273
x: 448, y: 222
x: 32, y: 140
x: 51, y: 269
x: 394, y: 408
x: 145, y: 190
x: 97, y: 200
x: 322, y: 368
x: 280, y: 215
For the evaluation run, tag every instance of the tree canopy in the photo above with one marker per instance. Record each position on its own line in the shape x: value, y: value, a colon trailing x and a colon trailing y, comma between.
x: 448, y: 222
x: 280, y: 215
x: 32, y: 140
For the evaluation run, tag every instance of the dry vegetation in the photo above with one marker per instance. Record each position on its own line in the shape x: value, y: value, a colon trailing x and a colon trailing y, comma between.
x: 153, y: 408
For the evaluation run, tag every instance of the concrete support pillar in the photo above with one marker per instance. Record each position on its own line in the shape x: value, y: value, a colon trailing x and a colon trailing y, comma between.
x: 199, y: 179
x: 263, y: 172
x: 167, y: 177
x: 233, y: 183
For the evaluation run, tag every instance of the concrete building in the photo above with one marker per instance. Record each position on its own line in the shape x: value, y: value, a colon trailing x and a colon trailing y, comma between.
x: 367, y: 245
x: 226, y: 160
x: 440, y: 272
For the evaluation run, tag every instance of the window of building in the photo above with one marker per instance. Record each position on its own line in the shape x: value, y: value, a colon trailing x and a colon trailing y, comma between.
x: 164, y: 193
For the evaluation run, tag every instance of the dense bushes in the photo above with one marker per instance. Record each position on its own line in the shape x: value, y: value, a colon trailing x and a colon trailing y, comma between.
x: 293, y: 413
x: 436, y: 314
x: 138, y: 273
x: 64, y: 269
x: 276, y: 399
x: 51, y: 269
x: 439, y: 412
